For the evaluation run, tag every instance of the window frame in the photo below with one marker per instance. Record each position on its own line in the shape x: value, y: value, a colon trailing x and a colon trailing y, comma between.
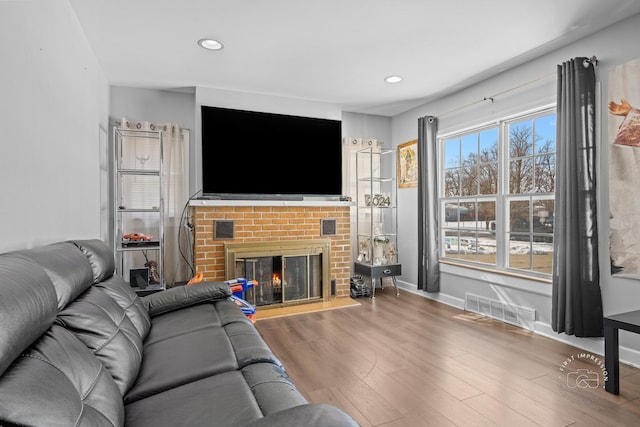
x: 502, y: 199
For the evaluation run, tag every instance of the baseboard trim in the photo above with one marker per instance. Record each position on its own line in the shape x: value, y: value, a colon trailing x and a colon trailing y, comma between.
x: 436, y: 296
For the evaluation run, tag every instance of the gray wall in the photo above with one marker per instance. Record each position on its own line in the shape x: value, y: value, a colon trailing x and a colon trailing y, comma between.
x: 613, y: 46
x: 53, y: 109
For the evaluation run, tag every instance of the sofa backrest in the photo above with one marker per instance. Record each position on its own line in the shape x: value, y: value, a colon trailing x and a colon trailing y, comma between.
x: 100, y: 258
x: 47, y: 375
x: 27, y: 306
x: 102, y: 264
x: 69, y: 271
x: 130, y: 302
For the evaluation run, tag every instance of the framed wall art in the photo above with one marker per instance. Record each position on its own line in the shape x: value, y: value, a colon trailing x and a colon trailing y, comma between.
x: 624, y: 174
x: 408, y: 164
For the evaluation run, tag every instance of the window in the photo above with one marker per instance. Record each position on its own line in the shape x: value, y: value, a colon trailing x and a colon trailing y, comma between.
x: 497, y: 194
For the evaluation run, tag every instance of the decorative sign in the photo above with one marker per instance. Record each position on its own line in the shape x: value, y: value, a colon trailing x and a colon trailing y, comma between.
x: 408, y: 164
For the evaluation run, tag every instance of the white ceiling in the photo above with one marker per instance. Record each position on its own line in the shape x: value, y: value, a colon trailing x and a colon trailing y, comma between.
x: 333, y: 51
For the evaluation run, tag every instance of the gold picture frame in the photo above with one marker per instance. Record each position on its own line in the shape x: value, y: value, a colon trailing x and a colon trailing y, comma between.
x: 408, y: 164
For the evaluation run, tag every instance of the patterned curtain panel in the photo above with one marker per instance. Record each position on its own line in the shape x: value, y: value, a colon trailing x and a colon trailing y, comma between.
x: 576, y: 296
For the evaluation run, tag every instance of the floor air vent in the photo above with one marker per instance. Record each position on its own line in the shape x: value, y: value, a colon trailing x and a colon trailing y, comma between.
x: 509, y: 313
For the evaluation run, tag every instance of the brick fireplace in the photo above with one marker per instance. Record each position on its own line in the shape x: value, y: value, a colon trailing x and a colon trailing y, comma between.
x: 233, y: 224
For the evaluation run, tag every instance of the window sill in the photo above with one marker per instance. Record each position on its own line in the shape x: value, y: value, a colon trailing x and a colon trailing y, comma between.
x: 494, y: 277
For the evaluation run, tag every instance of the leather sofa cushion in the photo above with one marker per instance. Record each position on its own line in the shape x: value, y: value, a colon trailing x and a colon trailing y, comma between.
x: 218, y: 313
x: 100, y: 257
x: 213, y: 349
x: 58, y: 382
x: 28, y: 306
x: 67, y: 268
x: 102, y: 325
x: 178, y: 322
x: 229, y: 400
x: 130, y: 302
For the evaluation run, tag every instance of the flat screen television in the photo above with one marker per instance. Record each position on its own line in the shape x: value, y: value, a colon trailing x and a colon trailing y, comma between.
x: 257, y: 155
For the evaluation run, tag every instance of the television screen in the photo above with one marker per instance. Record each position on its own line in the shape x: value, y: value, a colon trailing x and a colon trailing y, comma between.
x: 249, y: 154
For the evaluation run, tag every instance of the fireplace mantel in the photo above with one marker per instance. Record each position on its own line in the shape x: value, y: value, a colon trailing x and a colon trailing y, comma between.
x: 285, y: 203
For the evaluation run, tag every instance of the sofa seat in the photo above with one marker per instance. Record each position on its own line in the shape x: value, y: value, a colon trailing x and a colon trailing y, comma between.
x: 214, y: 347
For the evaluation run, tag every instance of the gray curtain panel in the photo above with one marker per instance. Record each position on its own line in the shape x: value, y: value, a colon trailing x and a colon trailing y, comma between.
x: 428, y: 264
x: 576, y: 296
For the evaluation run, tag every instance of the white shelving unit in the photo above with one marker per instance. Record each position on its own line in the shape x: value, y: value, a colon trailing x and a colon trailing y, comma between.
x: 377, y: 219
x: 139, y: 208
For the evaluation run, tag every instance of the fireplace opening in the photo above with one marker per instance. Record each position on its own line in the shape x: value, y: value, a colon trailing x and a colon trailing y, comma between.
x: 282, y: 279
x: 286, y: 272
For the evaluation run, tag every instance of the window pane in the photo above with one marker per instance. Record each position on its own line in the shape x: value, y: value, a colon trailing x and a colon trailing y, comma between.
x: 519, y: 235
x: 545, y: 134
x: 468, y: 244
x: 452, y: 182
x: 520, y: 252
x: 488, y: 178
x: 469, y: 182
x: 454, y: 212
x: 519, y: 217
x: 452, y: 153
x: 487, y: 232
x: 543, y: 215
x: 469, y: 148
x: 520, y: 139
x: 468, y: 231
x: 451, y: 244
x: 521, y: 176
x: 489, y: 145
x: 545, y: 173
x: 468, y: 214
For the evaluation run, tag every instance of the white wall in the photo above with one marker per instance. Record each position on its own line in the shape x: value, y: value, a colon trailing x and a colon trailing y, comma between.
x: 157, y: 106
x: 53, y: 104
x: 612, y: 46
x: 367, y: 126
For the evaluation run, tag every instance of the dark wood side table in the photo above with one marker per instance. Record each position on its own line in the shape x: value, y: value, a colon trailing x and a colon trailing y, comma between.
x: 629, y: 321
x: 378, y: 272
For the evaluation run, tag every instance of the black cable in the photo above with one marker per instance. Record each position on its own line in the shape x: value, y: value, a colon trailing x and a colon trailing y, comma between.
x: 180, y: 226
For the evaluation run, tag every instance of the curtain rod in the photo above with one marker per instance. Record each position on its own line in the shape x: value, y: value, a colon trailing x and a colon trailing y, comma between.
x: 118, y: 123
x: 586, y: 62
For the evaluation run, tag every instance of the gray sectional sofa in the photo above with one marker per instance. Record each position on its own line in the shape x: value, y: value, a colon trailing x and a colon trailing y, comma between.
x: 79, y: 348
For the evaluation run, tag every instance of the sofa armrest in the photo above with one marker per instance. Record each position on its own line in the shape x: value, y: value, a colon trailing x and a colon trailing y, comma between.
x: 309, y: 415
x: 184, y: 296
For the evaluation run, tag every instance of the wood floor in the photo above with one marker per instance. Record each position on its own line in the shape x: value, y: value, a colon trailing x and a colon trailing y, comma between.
x: 409, y: 361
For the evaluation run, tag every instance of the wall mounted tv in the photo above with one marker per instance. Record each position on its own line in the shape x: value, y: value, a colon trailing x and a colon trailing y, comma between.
x: 256, y: 155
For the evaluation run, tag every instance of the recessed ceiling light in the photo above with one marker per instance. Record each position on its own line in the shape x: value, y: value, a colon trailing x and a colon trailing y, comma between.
x: 393, y: 79
x: 210, y: 44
